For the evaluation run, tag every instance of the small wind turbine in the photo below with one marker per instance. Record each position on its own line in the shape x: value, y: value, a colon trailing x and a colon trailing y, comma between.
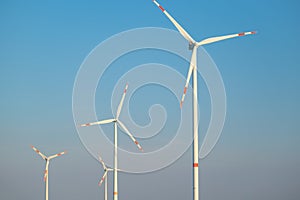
x: 117, y: 122
x: 46, y: 172
x: 104, y: 177
x: 193, y: 45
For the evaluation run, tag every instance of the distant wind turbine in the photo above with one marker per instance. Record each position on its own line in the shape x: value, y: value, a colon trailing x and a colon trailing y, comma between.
x: 104, y: 177
x: 46, y: 172
x: 117, y: 122
x: 193, y: 45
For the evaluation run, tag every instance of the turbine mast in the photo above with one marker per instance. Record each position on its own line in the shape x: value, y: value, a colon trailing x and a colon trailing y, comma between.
x: 116, y: 163
x: 195, y: 126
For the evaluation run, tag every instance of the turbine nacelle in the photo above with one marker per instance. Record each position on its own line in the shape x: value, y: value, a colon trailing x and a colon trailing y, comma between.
x: 191, y: 45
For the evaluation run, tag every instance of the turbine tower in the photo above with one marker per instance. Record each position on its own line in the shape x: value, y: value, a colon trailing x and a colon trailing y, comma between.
x: 46, y: 172
x: 193, y: 45
x: 117, y: 123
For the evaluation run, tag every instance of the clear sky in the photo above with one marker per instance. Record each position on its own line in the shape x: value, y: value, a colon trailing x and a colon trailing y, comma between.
x: 43, y: 44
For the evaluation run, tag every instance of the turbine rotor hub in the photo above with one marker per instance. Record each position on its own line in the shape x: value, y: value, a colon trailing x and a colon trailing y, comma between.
x: 191, y: 45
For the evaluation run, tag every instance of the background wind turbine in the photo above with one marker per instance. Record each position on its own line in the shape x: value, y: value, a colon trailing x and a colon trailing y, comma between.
x: 104, y: 177
x: 193, y: 45
x: 46, y: 172
x: 117, y: 122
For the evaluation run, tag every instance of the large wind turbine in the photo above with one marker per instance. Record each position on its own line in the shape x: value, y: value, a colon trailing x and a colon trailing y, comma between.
x: 47, y: 159
x: 117, y: 122
x: 193, y: 45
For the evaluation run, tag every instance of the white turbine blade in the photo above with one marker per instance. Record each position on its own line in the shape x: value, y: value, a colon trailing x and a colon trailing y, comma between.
x: 176, y: 24
x: 102, y: 162
x: 56, y: 155
x: 130, y: 135
x: 46, y: 171
x: 121, y: 102
x: 225, y: 37
x: 38, y: 152
x: 110, y: 170
x: 107, y: 121
x: 102, y: 179
x: 192, y: 65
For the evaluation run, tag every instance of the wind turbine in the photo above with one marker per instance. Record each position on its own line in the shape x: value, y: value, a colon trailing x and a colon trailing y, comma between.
x: 193, y: 45
x: 117, y: 122
x: 47, y: 159
x: 104, y: 177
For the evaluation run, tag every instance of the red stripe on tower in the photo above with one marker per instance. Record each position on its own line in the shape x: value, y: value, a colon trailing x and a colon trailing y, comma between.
x: 196, y: 165
x: 241, y: 34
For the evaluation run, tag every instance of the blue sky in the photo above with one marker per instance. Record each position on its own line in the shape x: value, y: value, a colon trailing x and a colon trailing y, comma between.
x: 43, y: 44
